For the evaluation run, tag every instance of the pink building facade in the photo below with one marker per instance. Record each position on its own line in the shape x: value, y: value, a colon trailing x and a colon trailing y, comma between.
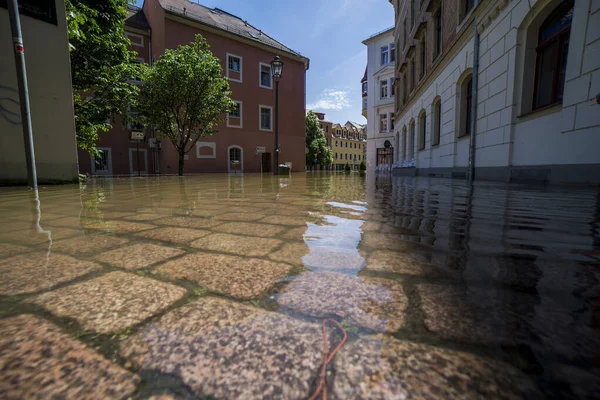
x: 246, y: 136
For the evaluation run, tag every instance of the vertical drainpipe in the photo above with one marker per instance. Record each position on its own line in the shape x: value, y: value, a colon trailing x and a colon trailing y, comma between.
x: 474, y: 101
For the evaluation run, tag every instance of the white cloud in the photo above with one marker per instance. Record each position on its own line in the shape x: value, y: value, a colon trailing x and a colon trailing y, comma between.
x: 331, y: 99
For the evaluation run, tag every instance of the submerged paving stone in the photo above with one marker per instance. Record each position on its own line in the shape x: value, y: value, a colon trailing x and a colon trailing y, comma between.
x: 380, y: 367
x: 249, y: 228
x: 118, y: 226
x: 39, y: 361
x: 295, y: 234
x: 138, y: 256
x: 189, y: 222
x: 373, y: 303
x: 239, y: 216
x: 402, y: 263
x: 88, y: 244
x: 284, y: 220
x: 174, y: 235
x: 112, y: 302
x: 327, y: 257
x: 28, y: 273
x: 7, y: 249
x: 291, y: 253
x: 468, y: 315
x: 240, y: 245
x: 33, y: 237
x: 223, y: 349
x: 384, y: 241
x: 243, y: 278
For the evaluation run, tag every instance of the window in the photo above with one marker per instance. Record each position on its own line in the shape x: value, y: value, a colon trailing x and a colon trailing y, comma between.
x: 405, y: 33
x: 468, y: 4
x: 393, y: 84
x: 234, y: 117
x: 266, y: 118
x: 414, y: 13
x: 404, y: 88
x: 552, y: 50
x: 392, y: 122
x: 266, y: 78
x: 412, y: 74
x: 234, y: 68
x: 422, y: 130
x: 438, y: 33
x: 354, y: 145
x: 423, y: 56
x: 359, y: 146
x: 365, y: 103
x: 383, y: 123
x: 384, y: 89
x: 103, y: 163
x: 436, y: 120
x: 464, y: 117
x: 136, y: 40
x: 336, y: 157
x: 336, y: 144
x: 327, y: 128
x: 346, y: 144
x: 346, y: 155
x: 393, y: 52
x: 359, y: 157
x: 411, y: 141
x: 136, y: 79
x: 385, y: 55
x: 364, y: 88
x: 235, y: 156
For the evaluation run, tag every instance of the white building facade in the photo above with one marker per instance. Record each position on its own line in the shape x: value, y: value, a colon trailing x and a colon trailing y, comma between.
x: 527, y: 111
x: 379, y: 100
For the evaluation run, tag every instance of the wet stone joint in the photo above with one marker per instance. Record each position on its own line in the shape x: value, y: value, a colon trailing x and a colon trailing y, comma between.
x: 314, y: 286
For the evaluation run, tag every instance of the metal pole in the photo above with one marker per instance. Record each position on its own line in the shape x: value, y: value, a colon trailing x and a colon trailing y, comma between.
x: 15, y: 25
x: 276, y: 153
x: 475, y: 83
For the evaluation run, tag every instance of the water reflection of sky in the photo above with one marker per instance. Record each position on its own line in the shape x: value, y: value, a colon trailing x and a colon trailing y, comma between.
x: 333, y: 246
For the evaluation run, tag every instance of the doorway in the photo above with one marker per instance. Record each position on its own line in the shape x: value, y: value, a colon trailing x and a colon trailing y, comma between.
x: 265, y: 159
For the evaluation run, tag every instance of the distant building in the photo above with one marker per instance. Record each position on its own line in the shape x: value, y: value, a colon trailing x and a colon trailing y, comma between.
x: 378, y: 92
x: 527, y: 108
x: 247, y: 135
x: 46, y: 45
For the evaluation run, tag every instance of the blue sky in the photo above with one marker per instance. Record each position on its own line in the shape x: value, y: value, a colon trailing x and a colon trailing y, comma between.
x: 330, y: 33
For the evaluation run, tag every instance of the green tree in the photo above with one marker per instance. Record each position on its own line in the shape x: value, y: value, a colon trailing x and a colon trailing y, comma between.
x: 316, y: 142
x: 101, y: 67
x: 347, y: 168
x: 363, y: 166
x: 185, y: 95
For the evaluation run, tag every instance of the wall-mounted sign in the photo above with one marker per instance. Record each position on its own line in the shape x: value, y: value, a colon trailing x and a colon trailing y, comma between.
x: 44, y: 10
x: 261, y: 149
x: 135, y: 135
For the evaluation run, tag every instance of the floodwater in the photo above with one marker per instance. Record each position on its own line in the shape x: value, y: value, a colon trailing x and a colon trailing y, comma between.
x: 216, y: 287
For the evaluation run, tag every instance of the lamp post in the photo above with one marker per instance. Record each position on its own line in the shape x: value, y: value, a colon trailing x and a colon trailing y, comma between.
x: 276, y: 70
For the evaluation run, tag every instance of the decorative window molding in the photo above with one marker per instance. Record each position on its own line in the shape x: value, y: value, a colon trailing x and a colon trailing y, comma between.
x: 261, y: 78
x: 210, y: 145
x: 236, y: 116
x: 136, y: 40
x: 234, y: 68
x: 262, y: 125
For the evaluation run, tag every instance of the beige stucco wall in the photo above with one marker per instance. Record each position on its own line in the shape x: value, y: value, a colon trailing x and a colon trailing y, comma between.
x: 50, y: 94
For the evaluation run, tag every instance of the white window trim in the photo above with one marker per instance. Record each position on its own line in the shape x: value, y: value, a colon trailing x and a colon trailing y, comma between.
x: 128, y: 34
x: 241, y: 107
x: 260, y: 107
x: 241, y: 67
x: 145, y: 171
x: 387, y: 86
x: 212, y: 145
x: 235, y: 146
x: 381, y: 52
x: 260, y: 65
x: 109, y: 158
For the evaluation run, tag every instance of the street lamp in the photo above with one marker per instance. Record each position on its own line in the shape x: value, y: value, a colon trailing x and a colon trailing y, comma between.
x: 276, y: 70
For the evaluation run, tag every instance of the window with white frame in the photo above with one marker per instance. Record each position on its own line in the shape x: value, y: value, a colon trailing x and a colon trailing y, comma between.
x: 384, y: 89
x: 266, y: 118
x: 393, y: 52
x: 393, y: 85
x: 383, y: 123
x: 364, y: 103
x: 234, y: 117
x: 266, y: 78
x: 136, y: 40
x: 385, y: 55
x: 234, y: 68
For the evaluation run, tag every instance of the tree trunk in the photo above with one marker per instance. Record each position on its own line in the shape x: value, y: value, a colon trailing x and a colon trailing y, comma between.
x: 181, y: 161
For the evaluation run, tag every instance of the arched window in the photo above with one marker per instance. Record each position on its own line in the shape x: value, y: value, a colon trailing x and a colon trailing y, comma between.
x: 465, y: 90
x: 436, y: 121
x: 552, y: 51
x: 411, y: 140
x: 422, y: 129
x: 404, y: 143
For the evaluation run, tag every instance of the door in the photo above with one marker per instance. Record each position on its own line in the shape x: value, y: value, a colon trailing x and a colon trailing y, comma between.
x: 235, y: 159
x: 138, y: 161
x: 385, y: 156
x: 266, y: 162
